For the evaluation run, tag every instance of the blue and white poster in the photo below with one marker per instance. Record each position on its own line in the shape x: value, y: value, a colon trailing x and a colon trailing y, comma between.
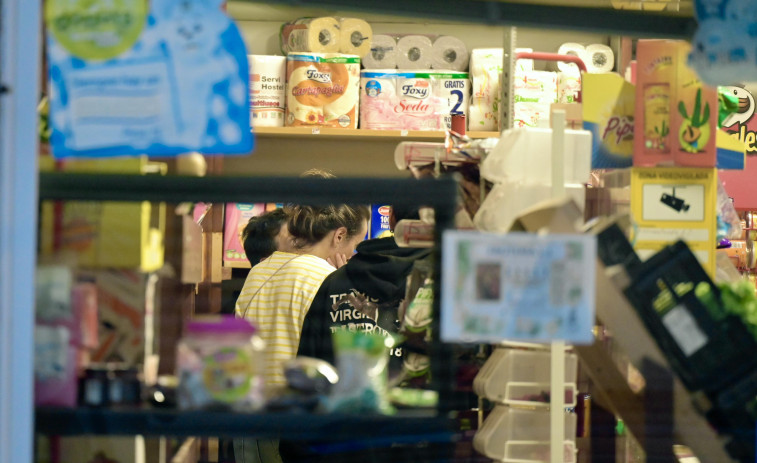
x: 517, y: 286
x: 128, y: 81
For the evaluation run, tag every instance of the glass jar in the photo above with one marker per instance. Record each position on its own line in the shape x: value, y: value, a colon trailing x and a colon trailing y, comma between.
x: 220, y: 364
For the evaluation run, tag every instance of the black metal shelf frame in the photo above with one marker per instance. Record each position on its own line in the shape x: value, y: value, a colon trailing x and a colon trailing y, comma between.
x: 295, y: 426
x: 441, y: 194
x: 508, y: 13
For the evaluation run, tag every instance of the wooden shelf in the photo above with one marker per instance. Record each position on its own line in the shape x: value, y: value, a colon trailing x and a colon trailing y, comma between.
x: 245, y: 264
x: 359, y: 134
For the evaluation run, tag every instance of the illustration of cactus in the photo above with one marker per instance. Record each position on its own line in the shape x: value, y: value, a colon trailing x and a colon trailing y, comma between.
x: 661, y: 134
x: 695, y: 130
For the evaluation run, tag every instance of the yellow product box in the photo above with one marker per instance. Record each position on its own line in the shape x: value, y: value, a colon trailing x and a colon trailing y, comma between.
x: 106, y: 234
x: 675, y: 203
x: 676, y: 115
x: 608, y: 102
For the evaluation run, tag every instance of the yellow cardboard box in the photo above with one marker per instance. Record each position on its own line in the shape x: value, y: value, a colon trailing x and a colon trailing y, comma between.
x: 107, y: 234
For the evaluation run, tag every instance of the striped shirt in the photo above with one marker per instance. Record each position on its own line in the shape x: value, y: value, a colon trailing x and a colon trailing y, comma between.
x: 280, y: 305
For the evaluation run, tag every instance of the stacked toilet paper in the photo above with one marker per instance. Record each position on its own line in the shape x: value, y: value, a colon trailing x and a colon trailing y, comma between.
x: 323, y: 89
x: 568, y: 86
x: 327, y: 35
x: 411, y: 100
x: 533, y: 94
x: 267, y: 90
x: 416, y: 52
x: 598, y: 58
x: 486, y: 77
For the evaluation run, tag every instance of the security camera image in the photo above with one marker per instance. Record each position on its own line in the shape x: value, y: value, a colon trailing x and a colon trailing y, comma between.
x: 676, y: 203
x: 673, y: 202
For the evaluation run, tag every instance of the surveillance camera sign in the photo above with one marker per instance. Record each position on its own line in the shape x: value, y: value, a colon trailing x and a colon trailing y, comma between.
x: 675, y: 203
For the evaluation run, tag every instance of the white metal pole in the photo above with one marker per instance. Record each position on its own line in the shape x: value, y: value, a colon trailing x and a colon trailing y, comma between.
x: 20, y: 40
x: 557, y: 359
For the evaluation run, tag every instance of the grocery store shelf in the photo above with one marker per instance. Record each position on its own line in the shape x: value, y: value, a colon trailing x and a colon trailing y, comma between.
x: 521, y: 14
x: 358, y: 134
x: 438, y: 193
x: 291, y: 426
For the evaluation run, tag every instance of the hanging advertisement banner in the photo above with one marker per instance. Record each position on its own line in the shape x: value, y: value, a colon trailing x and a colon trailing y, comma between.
x: 128, y: 81
x: 517, y: 286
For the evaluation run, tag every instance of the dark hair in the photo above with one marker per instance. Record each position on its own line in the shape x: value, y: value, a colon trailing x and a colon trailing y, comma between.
x: 310, y: 224
x: 259, y: 235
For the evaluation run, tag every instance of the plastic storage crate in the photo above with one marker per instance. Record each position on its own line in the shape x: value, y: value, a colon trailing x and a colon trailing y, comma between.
x: 522, y: 436
x: 522, y: 377
x: 708, y: 348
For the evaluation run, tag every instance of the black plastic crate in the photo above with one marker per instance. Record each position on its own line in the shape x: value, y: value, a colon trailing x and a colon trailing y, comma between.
x: 706, y: 347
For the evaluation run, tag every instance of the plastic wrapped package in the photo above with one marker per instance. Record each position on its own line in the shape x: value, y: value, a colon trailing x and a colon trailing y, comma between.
x: 220, y: 364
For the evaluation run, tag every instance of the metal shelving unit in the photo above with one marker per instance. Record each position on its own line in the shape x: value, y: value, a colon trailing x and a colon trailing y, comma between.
x: 541, y: 14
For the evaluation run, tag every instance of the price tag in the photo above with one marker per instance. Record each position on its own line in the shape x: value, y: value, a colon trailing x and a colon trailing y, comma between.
x: 403, y: 133
x: 316, y: 130
x: 518, y: 286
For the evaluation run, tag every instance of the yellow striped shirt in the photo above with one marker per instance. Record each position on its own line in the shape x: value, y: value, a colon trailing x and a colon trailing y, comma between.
x: 280, y: 305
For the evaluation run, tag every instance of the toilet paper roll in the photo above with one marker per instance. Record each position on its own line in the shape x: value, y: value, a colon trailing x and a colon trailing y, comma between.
x: 574, y: 49
x: 481, y: 116
x: 267, y: 90
x: 317, y: 35
x: 485, y: 60
x: 568, y: 86
x: 383, y: 53
x: 599, y: 59
x: 414, y: 52
x: 317, y: 81
x: 449, y: 52
x: 354, y: 36
x: 524, y: 65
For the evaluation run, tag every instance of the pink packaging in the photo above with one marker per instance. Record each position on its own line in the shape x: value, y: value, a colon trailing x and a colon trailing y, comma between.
x: 410, y: 100
x: 55, y: 359
x: 237, y: 216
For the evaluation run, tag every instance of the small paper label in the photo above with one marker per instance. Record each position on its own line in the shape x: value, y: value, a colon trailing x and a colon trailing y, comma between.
x: 316, y: 130
x: 403, y: 133
x: 684, y: 329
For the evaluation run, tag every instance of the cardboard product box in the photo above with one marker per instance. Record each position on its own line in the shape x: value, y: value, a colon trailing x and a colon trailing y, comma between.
x: 101, y: 449
x: 676, y: 115
x: 235, y: 219
x: 553, y: 216
x: 107, y: 234
x: 126, y: 305
x: 608, y: 113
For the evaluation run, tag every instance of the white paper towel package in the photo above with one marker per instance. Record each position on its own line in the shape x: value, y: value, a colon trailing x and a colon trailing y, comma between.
x: 414, y: 52
x: 449, y: 52
x: 383, y: 53
x: 354, y: 36
x: 485, y: 72
x: 322, y: 90
x: 318, y: 35
x: 533, y: 94
x: 411, y: 100
x: 326, y: 34
x: 598, y: 58
x: 267, y: 90
x: 568, y: 86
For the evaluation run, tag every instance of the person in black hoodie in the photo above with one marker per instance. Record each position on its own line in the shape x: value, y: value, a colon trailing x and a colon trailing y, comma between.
x: 364, y: 295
